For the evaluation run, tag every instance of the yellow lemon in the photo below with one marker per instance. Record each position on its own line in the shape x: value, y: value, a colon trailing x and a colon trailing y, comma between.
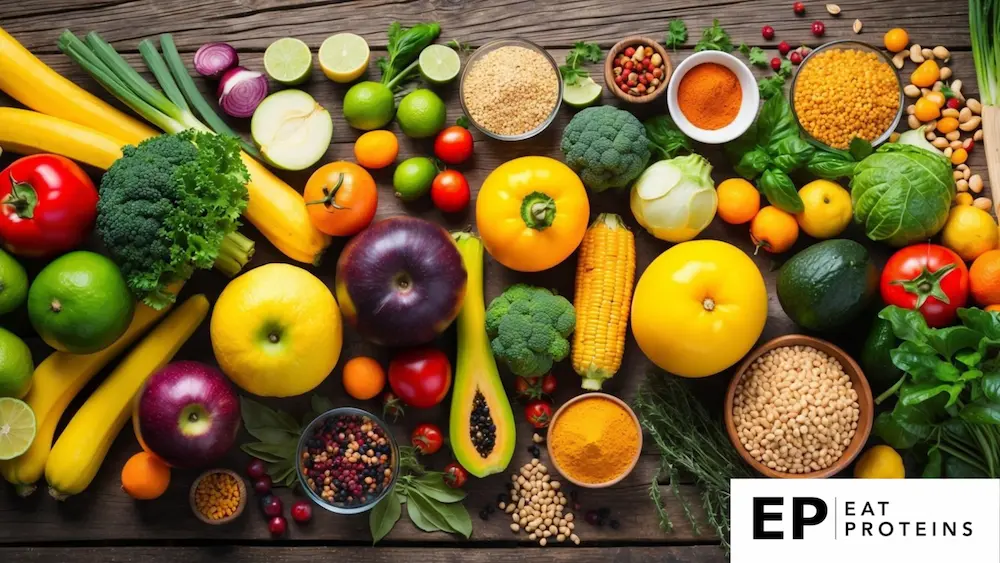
x: 827, y: 209
x: 344, y: 57
x: 880, y: 462
x: 969, y: 231
x: 276, y: 331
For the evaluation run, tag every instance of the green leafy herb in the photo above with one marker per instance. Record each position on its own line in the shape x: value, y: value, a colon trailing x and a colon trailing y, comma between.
x: 755, y: 55
x: 677, y: 34
x: 580, y: 53
x: 785, y: 70
x: 665, y: 139
x: 771, y: 86
x: 462, y: 121
x: 714, y: 38
x: 405, y: 44
x: 431, y: 504
x: 459, y: 46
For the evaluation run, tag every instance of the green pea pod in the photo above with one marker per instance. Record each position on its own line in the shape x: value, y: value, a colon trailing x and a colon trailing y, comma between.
x: 779, y: 189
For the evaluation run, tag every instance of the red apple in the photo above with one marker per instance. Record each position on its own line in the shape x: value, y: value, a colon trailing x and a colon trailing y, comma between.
x: 187, y: 414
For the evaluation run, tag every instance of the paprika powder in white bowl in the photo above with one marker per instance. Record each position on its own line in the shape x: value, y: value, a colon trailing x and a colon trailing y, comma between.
x: 713, y: 97
x: 594, y: 440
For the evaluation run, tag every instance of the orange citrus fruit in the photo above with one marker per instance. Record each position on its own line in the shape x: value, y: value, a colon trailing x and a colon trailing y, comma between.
x: 376, y: 149
x: 739, y: 201
x: 896, y: 39
x: 984, y: 278
x: 364, y: 378
x: 774, y: 230
x: 145, y: 476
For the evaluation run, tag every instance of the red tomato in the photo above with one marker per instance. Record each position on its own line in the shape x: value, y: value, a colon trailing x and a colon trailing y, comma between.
x: 453, y: 145
x: 341, y: 198
x: 927, y: 277
x: 455, y: 475
x: 549, y: 384
x: 427, y: 439
x: 538, y: 413
x: 420, y: 377
x: 535, y: 387
x: 450, y: 191
x: 47, y: 205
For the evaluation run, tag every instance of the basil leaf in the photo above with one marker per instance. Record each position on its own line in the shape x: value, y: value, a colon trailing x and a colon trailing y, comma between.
x: 775, y: 122
x: 933, y: 468
x: 895, y: 434
x: 422, y: 514
x: 955, y: 468
x: 949, y: 341
x: 665, y: 138
x: 991, y: 387
x: 981, y: 412
x: 907, y: 324
x: 271, y: 451
x: 452, y: 517
x: 266, y: 424
x: 830, y: 166
x: 860, y: 148
x: 743, y: 144
x: 281, y: 471
x: 985, y: 322
x: 792, y: 153
x: 753, y: 163
x: 914, y: 393
x: 432, y: 486
x: 780, y: 191
x: 906, y: 426
x: 384, y: 515
x: 969, y: 358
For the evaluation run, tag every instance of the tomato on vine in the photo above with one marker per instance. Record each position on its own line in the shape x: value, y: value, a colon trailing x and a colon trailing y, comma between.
x: 427, y: 438
x: 538, y: 413
x: 929, y: 278
x: 455, y: 475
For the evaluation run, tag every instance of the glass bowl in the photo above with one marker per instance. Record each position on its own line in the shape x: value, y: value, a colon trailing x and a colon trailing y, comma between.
x: 492, y: 46
x: 859, y: 46
x: 308, y: 434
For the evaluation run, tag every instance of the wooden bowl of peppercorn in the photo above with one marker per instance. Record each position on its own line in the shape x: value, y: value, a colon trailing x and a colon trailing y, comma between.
x: 627, y: 47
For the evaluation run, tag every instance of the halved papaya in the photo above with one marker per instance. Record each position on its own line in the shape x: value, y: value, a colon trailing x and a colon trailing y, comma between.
x: 482, y: 423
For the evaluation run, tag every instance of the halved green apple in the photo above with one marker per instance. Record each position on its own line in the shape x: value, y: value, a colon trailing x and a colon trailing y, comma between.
x: 291, y: 129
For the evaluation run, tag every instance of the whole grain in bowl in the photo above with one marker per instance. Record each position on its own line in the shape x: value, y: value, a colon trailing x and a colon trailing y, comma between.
x: 796, y: 410
x: 510, y: 90
x: 594, y: 440
x: 845, y: 93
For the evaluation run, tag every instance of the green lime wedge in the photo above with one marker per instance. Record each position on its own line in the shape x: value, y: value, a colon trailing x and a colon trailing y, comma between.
x: 439, y: 64
x: 583, y: 93
x: 288, y: 61
x: 344, y: 57
x: 17, y: 428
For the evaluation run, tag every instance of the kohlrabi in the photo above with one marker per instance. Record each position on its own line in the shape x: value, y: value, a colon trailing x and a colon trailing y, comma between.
x: 675, y: 199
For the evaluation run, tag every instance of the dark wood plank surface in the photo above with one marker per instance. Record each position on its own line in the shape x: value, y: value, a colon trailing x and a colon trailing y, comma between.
x: 105, y: 514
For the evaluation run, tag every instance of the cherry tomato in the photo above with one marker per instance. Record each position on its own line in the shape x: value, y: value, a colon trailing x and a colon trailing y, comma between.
x: 455, y: 475
x: 535, y: 387
x: 420, y: 377
x: 47, y: 205
x: 929, y: 278
x: 427, y: 439
x: 302, y: 512
x: 538, y: 413
x: 392, y: 407
x: 548, y: 384
x: 341, y: 198
x: 453, y: 145
x: 450, y: 191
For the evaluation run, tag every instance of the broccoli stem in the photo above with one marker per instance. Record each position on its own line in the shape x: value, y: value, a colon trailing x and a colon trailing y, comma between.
x: 234, y: 253
x: 538, y: 211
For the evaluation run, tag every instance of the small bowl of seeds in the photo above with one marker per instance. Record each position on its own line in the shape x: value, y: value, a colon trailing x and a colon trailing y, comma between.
x: 637, y: 69
x: 218, y: 496
x: 510, y: 89
x: 347, y: 460
x: 799, y: 407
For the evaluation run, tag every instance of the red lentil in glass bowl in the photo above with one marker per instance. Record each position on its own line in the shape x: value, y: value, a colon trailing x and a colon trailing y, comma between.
x: 322, y: 447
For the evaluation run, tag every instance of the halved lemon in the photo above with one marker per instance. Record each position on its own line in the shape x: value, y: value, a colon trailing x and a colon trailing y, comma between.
x: 344, y: 57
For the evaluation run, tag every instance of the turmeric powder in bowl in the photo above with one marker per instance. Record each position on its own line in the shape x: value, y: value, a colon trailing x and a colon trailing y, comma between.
x: 710, y: 96
x: 594, y: 440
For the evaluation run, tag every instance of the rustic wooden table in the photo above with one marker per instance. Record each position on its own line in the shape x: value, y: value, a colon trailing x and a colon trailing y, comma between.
x: 103, y: 524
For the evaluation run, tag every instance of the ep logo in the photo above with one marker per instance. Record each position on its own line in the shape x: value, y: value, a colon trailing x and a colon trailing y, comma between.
x: 800, y: 512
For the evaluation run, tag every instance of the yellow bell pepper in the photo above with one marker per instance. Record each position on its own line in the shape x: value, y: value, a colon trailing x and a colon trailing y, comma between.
x: 532, y: 213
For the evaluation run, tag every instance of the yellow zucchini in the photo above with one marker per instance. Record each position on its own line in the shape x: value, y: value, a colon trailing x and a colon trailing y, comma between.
x: 29, y: 132
x: 56, y: 381
x: 82, y: 446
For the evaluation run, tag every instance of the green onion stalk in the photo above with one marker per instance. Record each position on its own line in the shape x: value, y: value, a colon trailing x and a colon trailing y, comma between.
x: 984, y: 27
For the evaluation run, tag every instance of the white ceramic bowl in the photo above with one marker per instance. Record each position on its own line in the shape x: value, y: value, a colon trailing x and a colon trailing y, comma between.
x: 748, y: 110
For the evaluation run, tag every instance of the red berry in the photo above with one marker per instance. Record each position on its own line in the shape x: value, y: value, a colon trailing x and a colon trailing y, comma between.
x: 643, y: 80
x: 628, y: 65
x: 624, y: 87
x: 775, y: 64
x: 784, y: 48
x: 277, y: 526
x: 271, y: 506
x: 629, y: 51
x: 953, y: 103
x: 799, y: 8
x: 646, y: 62
x: 619, y: 79
x: 818, y: 28
x: 302, y: 512
x: 768, y: 32
x: 262, y: 486
x: 795, y: 57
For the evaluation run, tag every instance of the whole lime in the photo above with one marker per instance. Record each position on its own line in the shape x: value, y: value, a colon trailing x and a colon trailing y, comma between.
x: 13, y: 283
x: 80, y: 303
x: 413, y: 177
x: 369, y: 105
x: 421, y: 114
x: 16, y: 366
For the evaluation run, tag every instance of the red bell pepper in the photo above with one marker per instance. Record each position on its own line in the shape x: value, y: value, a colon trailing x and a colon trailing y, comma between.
x: 47, y: 205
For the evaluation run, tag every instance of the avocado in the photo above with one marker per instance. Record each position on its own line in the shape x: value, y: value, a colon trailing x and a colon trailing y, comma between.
x: 827, y: 285
x: 482, y: 429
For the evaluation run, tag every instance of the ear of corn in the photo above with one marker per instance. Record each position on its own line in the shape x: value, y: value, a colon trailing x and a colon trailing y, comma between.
x: 605, y: 274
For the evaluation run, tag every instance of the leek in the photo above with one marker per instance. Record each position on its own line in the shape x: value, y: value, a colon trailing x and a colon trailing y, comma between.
x: 984, y: 27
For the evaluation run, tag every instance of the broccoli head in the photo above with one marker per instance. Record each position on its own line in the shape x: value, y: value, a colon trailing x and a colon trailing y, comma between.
x: 171, y: 205
x: 529, y: 328
x: 606, y: 146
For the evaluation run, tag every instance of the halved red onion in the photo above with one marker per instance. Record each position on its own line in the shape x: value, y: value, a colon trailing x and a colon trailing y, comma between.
x: 241, y: 91
x: 213, y: 59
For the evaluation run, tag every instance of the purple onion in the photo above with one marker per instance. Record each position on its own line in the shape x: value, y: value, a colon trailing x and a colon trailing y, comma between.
x: 213, y: 59
x: 241, y: 91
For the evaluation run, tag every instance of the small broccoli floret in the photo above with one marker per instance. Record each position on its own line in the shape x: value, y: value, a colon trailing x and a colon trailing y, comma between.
x: 529, y: 328
x: 170, y: 205
x: 606, y: 146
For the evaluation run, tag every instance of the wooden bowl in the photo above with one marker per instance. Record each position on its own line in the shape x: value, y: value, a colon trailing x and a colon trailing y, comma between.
x: 860, y: 384
x: 609, y: 73
x: 635, y: 420
x: 239, y: 509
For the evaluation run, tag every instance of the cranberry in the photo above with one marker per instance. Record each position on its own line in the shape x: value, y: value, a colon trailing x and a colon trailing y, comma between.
x: 271, y: 506
x: 256, y: 469
x: 818, y: 28
x: 302, y: 512
x: 953, y: 103
x: 784, y: 48
x: 768, y: 32
x: 262, y: 486
x: 775, y: 64
x: 591, y: 517
x: 277, y: 526
x: 795, y: 57
x: 799, y: 8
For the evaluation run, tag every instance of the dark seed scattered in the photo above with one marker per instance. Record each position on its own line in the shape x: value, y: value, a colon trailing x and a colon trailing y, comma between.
x: 615, y: 524
x: 535, y: 452
x: 482, y: 430
x: 484, y: 515
x: 503, y: 498
x: 604, y: 512
x: 591, y: 517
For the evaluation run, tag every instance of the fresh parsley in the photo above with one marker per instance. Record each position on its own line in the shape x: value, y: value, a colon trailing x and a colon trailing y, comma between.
x: 714, y: 38
x: 677, y: 34
x: 755, y: 55
x: 582, y: 52
x: 770, y: 86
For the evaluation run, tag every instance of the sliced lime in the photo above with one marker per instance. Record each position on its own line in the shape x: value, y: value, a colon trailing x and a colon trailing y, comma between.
x: 288, y: 61
x: 583, y: 93
x: 17, y: 427
x: 439, y: 64
x: 344, y: 57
